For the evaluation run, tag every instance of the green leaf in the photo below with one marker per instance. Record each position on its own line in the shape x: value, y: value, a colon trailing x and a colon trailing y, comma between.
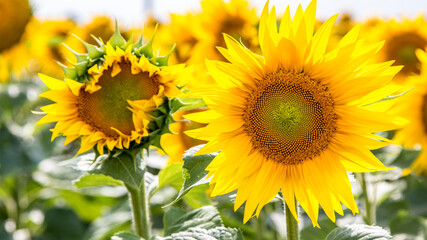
x: 197, y: 197
x: 95, y: 180
x: 311, y: 233
x: 194, y: 170
x: 388, y: 209
x: 115, y: 220
x: 204, y: 217
x: 171, y: 175
x: 121, y: 167
x: 125, y: 236
x: 218, y: 233
x: 357, y: 232
x: 407, y: 224
x: 62, y: 223
x: 171, y: 215
x: 405, y: 158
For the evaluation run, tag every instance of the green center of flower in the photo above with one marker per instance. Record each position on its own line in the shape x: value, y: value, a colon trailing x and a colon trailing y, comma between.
x: 108, y: 107
x: 402, y: 49
x: 290, y: 117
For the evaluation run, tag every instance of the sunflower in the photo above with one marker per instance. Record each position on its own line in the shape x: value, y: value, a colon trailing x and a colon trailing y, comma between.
x: 413, y: 106
x: 46, y: 44
x: 235, y: 18
x: 178, y: 32
x: 295, y: 119
x: 15, y: 15
x: 116, y: 96
x: 13, y: 55
x: 177, y: 143
x: 402, y: 38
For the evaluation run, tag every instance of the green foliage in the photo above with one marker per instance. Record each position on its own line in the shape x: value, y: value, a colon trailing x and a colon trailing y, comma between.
x: 409, y: 225
x: 194, y: 170
x: 125, y: 236
x: 311, y: 233
x: 202, y: 223
x: 96, y: 180
x: 218, y: 233
x: 61, y: 223
x: 204, y: 217
x: 357, y: 232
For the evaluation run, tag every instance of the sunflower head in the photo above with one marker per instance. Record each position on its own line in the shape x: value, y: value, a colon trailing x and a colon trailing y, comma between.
x: 402, y: 38
x: 118, y: 95
x: 46, y: 44
x: 15, y: 17
x: 296, y: 118
x: 413, y: 106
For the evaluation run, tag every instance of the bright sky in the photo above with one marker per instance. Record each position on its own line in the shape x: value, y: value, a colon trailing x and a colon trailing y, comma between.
x: 131, y: 12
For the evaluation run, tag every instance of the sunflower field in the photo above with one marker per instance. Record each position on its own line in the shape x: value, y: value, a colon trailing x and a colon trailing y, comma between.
x: 231, y: 120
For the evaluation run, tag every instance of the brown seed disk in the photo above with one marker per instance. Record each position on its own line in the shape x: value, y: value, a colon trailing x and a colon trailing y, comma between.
x: 290, y: 117
x: 108, y: 107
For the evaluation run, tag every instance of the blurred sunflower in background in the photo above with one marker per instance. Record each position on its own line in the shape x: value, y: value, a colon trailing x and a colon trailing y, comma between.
x: 235, y: 18
x: 178, y: 142
x: 178, y: 32
x: 115, y: 96
x: 402, y: 38
x: 16, y: 15
x: 47, y: 38
x: 413, y: 106
x: 292, y: 120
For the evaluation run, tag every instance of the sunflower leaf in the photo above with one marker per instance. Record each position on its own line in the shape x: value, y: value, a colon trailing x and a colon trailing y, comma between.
x: 218, y: 233
x: 194, y: 171
x: 125, y: 236
x: 121, y: 167
x: 204, y: 217
x: 358, y: 231
x: 95, y: 180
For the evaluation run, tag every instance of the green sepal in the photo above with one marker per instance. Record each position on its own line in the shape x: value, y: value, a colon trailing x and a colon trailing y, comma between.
x: 128, y: 43
x: 69, y: 72
x: 92, y: 51
x: 176, y: 104
x: 81, y: 67
x: 98, y: 40
x: 160, y: 121
x: 80, y: 57
x: 147, y: 49
x: 117, y: 40
x: 137, y: 44
x: 164, y: 60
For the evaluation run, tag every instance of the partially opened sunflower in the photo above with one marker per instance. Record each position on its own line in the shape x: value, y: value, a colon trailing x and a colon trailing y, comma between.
x: 413, y: 106
x: 117, y: 96
x: 297, y: 118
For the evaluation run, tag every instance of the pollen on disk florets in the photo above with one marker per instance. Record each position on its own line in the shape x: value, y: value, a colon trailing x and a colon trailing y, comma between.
x: 119, y: 95
x: 289, y: 116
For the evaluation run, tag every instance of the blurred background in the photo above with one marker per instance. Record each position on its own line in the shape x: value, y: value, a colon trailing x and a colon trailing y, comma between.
x: 131, y: 12
x: 38, y: 199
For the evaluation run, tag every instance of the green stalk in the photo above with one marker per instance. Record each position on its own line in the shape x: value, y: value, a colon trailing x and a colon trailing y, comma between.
x: 292, y: 231
x: 140, y: 210
x: 370, y: 217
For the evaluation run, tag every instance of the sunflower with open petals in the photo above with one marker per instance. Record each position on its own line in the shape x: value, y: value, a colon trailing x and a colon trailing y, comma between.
x: 413, y: 106
x: 115, y: 97
x: 402, y: 38
x: 296, y: 118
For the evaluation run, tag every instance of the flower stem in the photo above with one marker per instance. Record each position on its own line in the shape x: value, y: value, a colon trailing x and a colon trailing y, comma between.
x: 370, y: 217
x: 292, y: 231
x: 140, y: 210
